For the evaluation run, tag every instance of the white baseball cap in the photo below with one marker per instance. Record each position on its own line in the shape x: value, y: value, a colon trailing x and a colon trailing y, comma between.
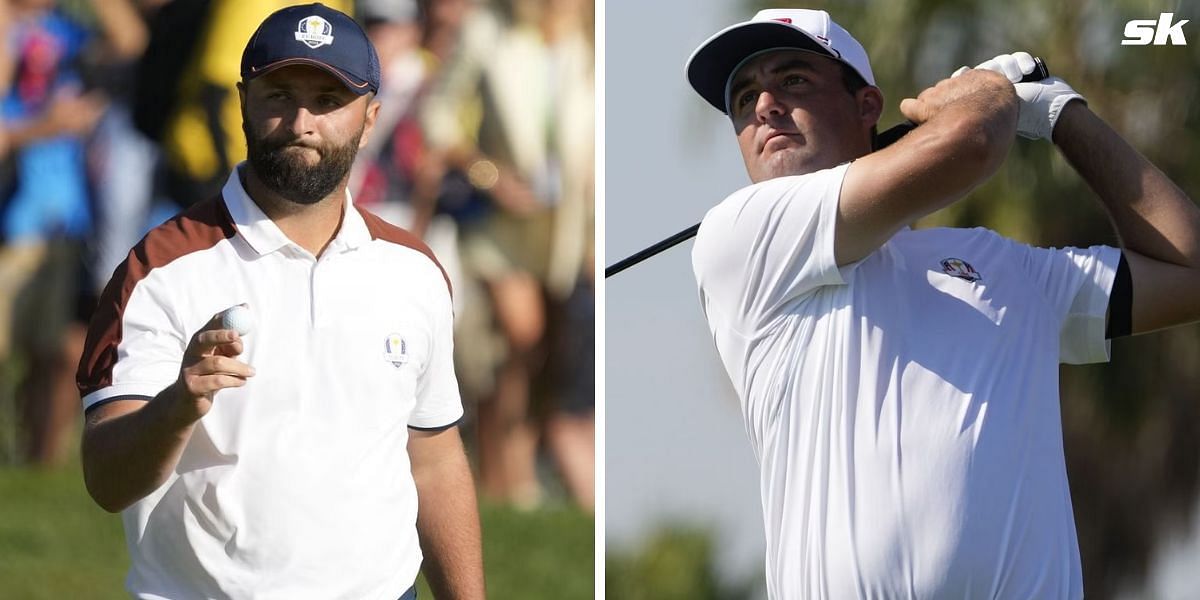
x: 711, y: 65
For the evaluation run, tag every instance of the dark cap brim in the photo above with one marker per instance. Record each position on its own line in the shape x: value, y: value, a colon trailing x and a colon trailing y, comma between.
x: 352, y: 83
x: 711, y: 65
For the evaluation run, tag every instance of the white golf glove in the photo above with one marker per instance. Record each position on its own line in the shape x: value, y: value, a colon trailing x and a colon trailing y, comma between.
x: 1041, y: 101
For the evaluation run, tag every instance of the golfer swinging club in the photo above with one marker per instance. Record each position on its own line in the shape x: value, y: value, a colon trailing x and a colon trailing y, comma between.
x: 899, y: 386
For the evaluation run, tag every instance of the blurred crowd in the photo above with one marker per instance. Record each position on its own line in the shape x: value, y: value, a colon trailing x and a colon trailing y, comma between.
x: 116, y: 114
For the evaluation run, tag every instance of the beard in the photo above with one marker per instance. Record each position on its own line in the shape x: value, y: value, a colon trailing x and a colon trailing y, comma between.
x: 281, y: 168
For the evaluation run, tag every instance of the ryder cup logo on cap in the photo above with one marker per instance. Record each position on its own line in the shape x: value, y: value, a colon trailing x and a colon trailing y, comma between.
x: 304, y: 35
x: 314, y: 32
x: 713, y: 64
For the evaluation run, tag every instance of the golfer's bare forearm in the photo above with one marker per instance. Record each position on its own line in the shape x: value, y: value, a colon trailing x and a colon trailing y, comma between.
x: 448, y: 527
x: 1158, y: 224
x: 964, y: 143
x: 1152, y: 215
x: 448, y: 521
x: 127, y: 456
x: 962, y: 140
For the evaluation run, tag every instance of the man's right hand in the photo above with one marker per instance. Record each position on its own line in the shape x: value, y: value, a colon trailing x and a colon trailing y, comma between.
x: 208, y: 366
x: 131, y: 446
x: 951, y: 91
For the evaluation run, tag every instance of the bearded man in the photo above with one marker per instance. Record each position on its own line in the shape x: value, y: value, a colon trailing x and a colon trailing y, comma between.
x: 287, y: 459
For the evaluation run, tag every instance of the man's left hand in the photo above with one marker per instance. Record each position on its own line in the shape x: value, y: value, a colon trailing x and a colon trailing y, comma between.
x: 1041, y: 101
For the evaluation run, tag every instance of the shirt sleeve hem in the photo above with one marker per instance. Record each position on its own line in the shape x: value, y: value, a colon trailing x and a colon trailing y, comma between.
x: 1098, y: 347
x: 439, y: 427
x: 100, y: 403
x: 120, y: 392
x: 436, y: 421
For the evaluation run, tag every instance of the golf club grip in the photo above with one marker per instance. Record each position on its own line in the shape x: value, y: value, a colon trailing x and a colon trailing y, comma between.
x: 623, y: 264
x: 889, y: 137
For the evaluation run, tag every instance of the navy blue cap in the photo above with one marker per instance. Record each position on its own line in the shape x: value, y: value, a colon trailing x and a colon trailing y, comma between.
x: 314, y: 35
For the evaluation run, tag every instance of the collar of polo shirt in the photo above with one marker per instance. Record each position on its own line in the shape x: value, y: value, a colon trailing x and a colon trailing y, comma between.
x: 265, y: 237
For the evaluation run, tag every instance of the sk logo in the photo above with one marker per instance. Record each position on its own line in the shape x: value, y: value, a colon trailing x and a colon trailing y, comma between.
x: 957, y: 267
x: 1144, y: 32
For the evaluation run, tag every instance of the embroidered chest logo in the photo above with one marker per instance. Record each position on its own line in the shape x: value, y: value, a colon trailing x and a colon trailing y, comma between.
x: 395, y: 350
x: 957, y: 267
x: 314, y: 32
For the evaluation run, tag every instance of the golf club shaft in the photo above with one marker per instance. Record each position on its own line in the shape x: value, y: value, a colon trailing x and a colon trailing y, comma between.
x: 623, y: 264
x: 882, y: 141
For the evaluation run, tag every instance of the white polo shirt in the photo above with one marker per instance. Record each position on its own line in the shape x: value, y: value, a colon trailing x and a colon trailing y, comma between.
x: 297, y: 485
x: 904, y: 410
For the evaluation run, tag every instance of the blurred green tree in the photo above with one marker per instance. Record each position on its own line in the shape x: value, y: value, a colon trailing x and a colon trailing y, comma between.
x: 676, y: 563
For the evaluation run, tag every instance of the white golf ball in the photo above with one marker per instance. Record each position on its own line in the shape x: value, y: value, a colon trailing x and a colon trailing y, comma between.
x: 238, y: 318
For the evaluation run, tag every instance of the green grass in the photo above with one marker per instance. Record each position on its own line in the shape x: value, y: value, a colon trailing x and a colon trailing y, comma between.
x: 55, y: 543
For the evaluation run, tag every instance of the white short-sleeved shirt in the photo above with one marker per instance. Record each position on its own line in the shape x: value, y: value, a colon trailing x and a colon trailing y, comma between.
x: 297, y: 485
x: 903, y: 409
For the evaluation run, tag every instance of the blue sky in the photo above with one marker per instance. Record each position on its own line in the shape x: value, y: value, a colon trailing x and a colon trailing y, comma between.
x: 676, y: 449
